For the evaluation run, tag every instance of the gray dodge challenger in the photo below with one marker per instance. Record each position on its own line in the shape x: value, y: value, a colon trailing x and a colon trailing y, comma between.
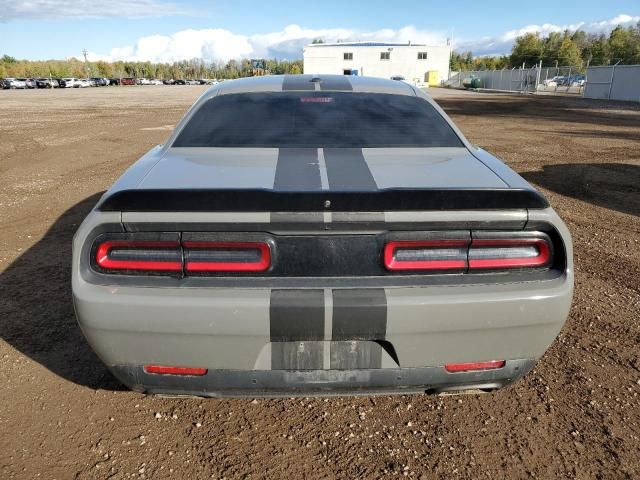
x: 318, y: 235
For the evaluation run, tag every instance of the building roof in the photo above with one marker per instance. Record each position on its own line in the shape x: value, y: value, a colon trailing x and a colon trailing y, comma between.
x: 366, y: 44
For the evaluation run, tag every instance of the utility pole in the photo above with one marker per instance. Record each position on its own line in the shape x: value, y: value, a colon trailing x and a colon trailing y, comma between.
x: 86, y: 65
x: 449, y: 42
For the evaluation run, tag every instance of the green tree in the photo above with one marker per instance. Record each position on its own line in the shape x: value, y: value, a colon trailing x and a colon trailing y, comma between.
x: 568, y: 53
x: 596, y: 52
x: 528, y: 50
x: 551, y: 45
x: 461, y: 61
x: 624, y: 44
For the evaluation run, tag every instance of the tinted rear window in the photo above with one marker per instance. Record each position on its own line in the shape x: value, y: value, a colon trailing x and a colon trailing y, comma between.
x: 317, y: 119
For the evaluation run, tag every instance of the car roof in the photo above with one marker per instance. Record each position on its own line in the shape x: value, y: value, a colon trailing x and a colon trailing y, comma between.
x: 336, y: 83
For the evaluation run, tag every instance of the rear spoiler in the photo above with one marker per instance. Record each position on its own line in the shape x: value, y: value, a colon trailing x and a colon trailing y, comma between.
x: 194, y: 200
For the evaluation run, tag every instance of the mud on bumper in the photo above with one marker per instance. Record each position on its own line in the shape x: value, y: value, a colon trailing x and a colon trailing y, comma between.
x: 270, y: 383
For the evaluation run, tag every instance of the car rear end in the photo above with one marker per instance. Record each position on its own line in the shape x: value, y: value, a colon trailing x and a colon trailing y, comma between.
x: 226, y: 264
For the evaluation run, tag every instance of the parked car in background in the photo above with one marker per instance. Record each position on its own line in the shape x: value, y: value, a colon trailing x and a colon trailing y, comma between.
x: 13, y: 83
x: 577, y: 80
x: 143, y: 81
x: 99, y: 81
x: 180, y: 81
x: 128, y: 81
x: 46, y: 83
x: 168, y: 82
x: 553, y: 81
x: 69, y: 82
x: 426, y: 264
x: 155, y: 81
x: 28, y: 82
x: 114, y: 81
x: 82, y: 83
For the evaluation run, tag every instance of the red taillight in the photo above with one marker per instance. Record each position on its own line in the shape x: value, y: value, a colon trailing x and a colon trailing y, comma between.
x: 164, y: 370
x: 486, y: 251
x: 426, y: 254
x: 140, y: 255
x: 226, y: 256
x: 499, y: 253
x: 470, y: 367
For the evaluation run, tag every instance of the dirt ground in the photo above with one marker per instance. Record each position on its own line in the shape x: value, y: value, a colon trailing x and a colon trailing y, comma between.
x: 63, y: 416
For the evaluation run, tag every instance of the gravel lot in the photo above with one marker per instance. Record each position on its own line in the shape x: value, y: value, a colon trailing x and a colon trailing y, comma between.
x: 63, y: 416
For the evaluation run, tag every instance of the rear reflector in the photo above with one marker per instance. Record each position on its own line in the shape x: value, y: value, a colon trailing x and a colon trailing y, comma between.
x: 426, y: 255
x: 470, y: 367
x: 141, y: 255
x: 227, y: 256
x: 163, y: 370
x: 499, y: 253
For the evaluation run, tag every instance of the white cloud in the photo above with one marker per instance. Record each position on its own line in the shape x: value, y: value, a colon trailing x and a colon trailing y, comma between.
x: 53, y: 9
x: 216, y: 44
x: 221, y: 45
x: 502, y: 43
x: 208, y: 44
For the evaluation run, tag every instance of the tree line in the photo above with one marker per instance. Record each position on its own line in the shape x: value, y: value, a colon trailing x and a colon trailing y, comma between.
x: 575, y: 49
x: 186, y: 69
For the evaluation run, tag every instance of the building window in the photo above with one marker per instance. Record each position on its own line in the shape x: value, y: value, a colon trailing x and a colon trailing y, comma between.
x: 422, y: 55
x: 348, y: 55
x: 385, y: 55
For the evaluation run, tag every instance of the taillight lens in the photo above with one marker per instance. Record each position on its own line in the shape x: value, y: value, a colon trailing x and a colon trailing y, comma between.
x: 426, y: 255
x: 508, y: 253
x: 227, y: 256
x: 162, y: 255
x: 483, y: 252
x: 139, y: 255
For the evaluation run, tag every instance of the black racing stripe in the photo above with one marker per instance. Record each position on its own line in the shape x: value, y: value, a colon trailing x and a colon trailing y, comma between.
x: 297, y: 355
x: 298, y: 82
x: 359, y: 314
x: 340, y: 83
x: 347, y: 170
x: 298, y: 170
x: 296, y: 315
x: 355, y: 355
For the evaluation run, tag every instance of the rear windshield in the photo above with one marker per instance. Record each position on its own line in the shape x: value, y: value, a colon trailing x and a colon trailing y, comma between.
x: 317, y: 119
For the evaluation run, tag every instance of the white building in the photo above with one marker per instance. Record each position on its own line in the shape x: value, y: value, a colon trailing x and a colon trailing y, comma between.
x: 386, y: 60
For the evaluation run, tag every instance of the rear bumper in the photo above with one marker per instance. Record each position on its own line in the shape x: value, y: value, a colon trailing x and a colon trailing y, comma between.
x: 257, y: 383
x: 227, y: 331
x: 319, y: 338
x: 235, y: 328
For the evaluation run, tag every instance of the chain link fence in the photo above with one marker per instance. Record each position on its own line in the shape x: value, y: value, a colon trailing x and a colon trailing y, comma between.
x: 534, y: 79
x: 513, y: 80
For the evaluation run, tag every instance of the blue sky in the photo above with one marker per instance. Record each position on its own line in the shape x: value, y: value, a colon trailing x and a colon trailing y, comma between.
x: 164, y: 30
